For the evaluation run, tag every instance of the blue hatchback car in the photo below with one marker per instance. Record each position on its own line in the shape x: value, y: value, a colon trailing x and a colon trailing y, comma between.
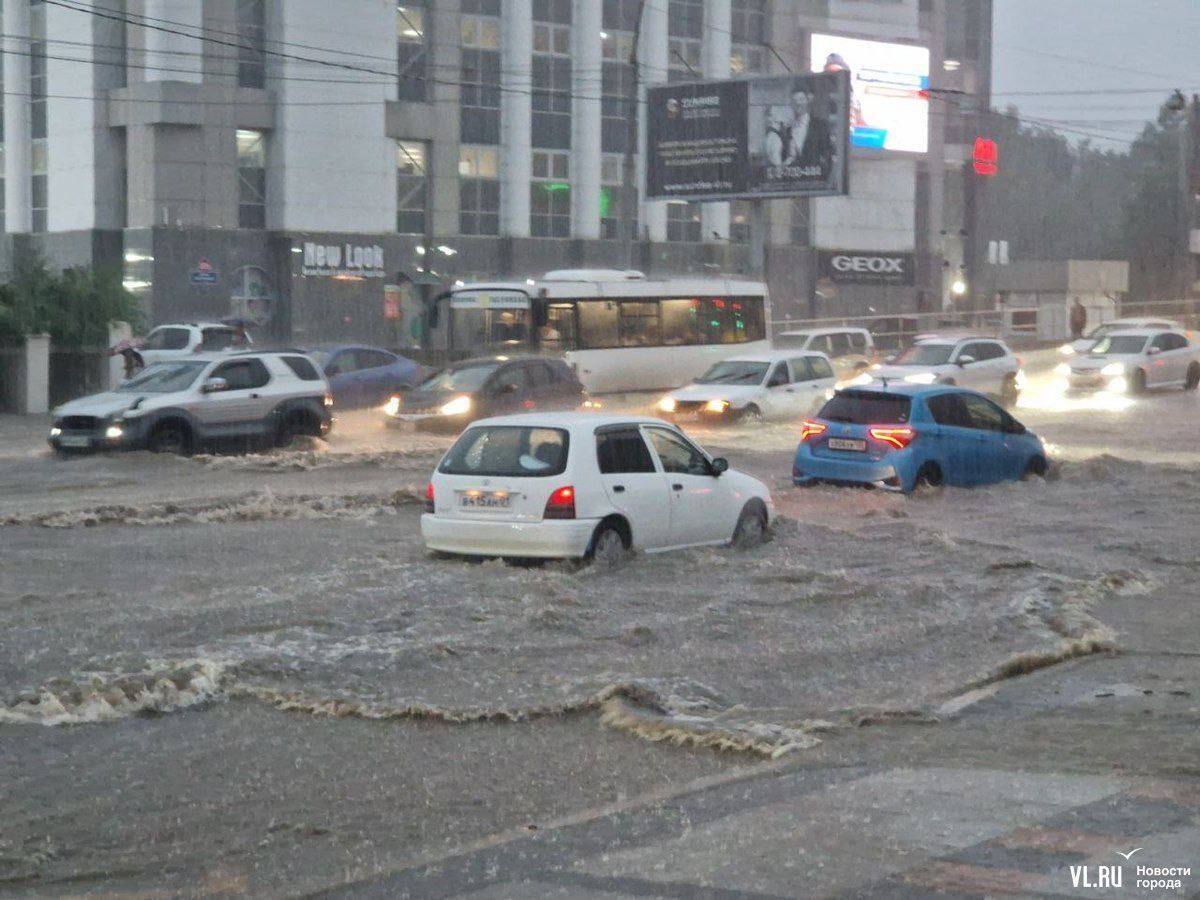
x: 900, y: 436
x: 360, y: 377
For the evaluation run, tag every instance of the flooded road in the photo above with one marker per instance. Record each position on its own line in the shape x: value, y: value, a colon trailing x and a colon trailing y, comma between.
x: 225, y: 652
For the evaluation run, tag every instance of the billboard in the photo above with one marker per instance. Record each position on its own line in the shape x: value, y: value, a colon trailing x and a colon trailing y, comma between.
x: 889, y: 90
x: 755, y: 138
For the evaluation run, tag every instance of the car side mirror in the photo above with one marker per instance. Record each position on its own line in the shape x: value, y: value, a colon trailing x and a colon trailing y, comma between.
x: 965, y: 361
x: 718, y: 465
x: 214, y: 385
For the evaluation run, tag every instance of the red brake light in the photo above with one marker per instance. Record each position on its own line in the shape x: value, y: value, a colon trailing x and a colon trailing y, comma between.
x: 561, y: 504
x: 811, y: 429
x: 898, y: 436
x: 429, y: 497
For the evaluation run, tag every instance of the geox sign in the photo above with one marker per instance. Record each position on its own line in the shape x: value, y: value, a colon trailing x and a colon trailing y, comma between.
x: 867, y: 267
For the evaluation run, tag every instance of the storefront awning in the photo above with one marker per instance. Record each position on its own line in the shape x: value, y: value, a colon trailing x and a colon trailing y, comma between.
x: 418, y: 277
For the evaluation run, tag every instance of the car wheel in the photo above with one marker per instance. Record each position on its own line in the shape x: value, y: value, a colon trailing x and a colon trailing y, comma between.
x: 751, y: 415
x: 171, y: 437
x: 608, y: 548
x: 1193, y: 377
x: 1137, y: 384
x: 1035, y: 468
x: 751, y: 528
x: 929, y: 479
x: 1009, y: 393
x: 289, y: 429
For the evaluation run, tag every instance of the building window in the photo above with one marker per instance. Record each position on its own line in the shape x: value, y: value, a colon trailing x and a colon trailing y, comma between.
x: 685, y: 24
x: 800, y: 222
x: 479, y: 97
x: 621, y: 15
x: 252, y: 33
x: 412, y: 42
x: 39, y: 182
x: 616, y: 105
x: 479, y: 190
x: 412, y: 187
x: 683, y: 221
x: 616, y: 197
x: 551, y: 99
x: 749, y: 21
x: 739, y: 221
x: 550, y: 195
x: 747, y: 59
x: 252, y: 178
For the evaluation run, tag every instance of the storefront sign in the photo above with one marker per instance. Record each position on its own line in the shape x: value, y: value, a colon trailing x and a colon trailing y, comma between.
x: 343, y: 260
x: 204, y: 273
x: 867, y: 267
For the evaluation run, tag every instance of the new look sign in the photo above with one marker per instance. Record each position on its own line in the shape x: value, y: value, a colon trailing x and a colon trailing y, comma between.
x: 343, y: 260
x: 867, y: 267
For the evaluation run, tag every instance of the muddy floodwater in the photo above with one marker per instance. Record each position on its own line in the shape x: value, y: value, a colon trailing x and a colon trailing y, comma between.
x: 142, y: 596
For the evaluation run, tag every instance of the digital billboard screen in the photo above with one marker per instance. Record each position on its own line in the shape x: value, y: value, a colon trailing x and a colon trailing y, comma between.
x: 785, y: 136
x: 889, y: 90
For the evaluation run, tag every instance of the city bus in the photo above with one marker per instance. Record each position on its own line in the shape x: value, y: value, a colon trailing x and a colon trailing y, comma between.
x: 619, y: 330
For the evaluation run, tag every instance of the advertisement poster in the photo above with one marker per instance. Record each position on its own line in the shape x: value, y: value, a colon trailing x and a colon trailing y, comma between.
x: 889, y: 90
x: 755, y: 138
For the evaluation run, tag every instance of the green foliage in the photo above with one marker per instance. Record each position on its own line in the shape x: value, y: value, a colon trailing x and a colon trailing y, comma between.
x: 74, y: 307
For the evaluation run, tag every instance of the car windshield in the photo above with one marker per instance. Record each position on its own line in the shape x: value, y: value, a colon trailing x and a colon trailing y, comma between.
x: 733, y: 371
x: 794, y: 340
x: 460, y: 379
x: 507, y: 450
x: 163, y: 378
x: 866, y: 408
x: 925, y: 355
x: 1118, y: 344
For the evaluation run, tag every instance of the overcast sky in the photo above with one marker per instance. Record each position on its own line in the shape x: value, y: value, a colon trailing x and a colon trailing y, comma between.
x: 1094, y: 45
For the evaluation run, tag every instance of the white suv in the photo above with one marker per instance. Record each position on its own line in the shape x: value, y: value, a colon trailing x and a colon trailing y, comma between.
x: 580, y: 485
x: 183, y: 340
x: 851, y: 350
x: 178, y: 406
x: 982, y: 364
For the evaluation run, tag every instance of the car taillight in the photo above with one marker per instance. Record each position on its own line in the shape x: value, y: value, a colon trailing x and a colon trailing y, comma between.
x: 561, y: 504
x: 810, y: 429
x: 429, y: 497
x: 898, y: 436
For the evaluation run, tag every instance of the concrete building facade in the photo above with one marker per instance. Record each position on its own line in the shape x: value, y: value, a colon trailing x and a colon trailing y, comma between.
x: 291, y: 158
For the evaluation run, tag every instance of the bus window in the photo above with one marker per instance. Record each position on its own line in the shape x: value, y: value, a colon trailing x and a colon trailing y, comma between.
x: 477, y: 330
x: 597, y: 324
x: 639, y: 324
x: 749, y: 312
x: 559, y: 331
x: 680, y: 322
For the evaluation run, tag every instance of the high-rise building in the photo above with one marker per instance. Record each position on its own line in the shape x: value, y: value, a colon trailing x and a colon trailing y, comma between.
x: 292, y: 157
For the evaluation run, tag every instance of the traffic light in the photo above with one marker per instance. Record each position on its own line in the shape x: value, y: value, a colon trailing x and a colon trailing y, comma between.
x: 986, y: 157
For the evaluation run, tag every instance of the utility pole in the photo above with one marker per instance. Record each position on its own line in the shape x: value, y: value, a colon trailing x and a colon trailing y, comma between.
x: 1186, y: 118
x: 629, y: 190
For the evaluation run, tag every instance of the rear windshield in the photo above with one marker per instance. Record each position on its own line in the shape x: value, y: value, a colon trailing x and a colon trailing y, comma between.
x: 508, y: 450
x: 866, y: 408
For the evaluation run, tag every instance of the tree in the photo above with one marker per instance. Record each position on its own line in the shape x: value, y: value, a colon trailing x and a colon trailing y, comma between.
x: 75, y: 307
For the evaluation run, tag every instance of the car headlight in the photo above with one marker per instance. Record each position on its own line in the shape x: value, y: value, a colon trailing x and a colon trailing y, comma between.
x: 716, y: 406
x: 1062, y: 370
x: 667, y: 404
x: 1066, y: 350
x: 921, y: 378
x: 113, y: 432
x: 1113, y: 369
x: 392, y: 407
x: 457, y: 406
x: 55, y: 431
x: 1019, y: 379
x: 1119, y: 385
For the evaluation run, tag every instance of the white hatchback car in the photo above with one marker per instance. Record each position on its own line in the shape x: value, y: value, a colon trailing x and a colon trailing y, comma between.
x: 1134, y: 361
x: 582, y: 485
x: 981, y: 364
x: 1075, y: 348
x: 782, y: 384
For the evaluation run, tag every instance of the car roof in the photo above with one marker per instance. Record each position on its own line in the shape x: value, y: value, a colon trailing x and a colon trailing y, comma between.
x: 572, y: 421
x: 504, y: 358
x: 195, y: 325
x: 827, y: 330
x: 770, y: 356
x: 908, y: 389
x: 1142, y: 332
x: 1142, y: 322
x: 338, y: 348
x: 951, y: 336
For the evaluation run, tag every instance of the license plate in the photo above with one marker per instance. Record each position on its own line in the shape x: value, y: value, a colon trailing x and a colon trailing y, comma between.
x: 859, y: 446
x: 484, y: 500
x: 75, y: 440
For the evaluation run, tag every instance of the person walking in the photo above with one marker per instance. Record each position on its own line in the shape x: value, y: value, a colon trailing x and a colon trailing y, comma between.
x: 1078, y: 319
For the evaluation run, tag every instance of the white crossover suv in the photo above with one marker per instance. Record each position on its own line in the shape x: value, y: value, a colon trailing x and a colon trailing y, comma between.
x: 179, y: 406
x: 1134, y: 361
x: 981, y: 364
x: 582, y: 485
x: 1085, y: 343
x: 783, y: 384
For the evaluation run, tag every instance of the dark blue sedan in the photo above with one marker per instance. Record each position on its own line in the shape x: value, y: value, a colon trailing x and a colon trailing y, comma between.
x: 361, y: 377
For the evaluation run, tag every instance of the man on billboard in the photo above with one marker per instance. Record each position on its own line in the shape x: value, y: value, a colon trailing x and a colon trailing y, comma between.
x: 799, y: 139
x: 799, y: 122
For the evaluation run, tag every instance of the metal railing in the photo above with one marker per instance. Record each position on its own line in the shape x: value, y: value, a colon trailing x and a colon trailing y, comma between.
x: 892, y: 332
